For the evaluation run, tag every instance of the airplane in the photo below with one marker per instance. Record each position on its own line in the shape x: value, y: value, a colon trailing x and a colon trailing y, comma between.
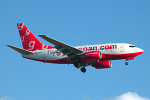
x: 98, y: 56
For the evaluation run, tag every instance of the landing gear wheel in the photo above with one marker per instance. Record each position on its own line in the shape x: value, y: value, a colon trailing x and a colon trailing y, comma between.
x: 83, y: 69
x: 126, y: 63
x: 76, y: 64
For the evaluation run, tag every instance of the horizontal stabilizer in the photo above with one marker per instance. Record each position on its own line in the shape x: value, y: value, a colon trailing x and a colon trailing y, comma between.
x: 22, y: 51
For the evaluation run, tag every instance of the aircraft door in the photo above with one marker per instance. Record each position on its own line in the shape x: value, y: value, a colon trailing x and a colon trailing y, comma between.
x: 121, y: 47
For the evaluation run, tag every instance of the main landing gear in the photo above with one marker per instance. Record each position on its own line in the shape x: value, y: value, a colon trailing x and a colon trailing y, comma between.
x: 83, y: 69
x: 79, y: 64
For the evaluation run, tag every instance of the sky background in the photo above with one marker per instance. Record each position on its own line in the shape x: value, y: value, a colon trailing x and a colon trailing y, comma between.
x: 75, y: 22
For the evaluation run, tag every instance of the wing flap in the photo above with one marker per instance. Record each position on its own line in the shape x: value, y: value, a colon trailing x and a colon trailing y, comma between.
x: 22, y: 51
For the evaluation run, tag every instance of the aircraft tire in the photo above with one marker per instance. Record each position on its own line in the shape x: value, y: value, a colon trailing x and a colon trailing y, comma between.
x: 126, y: 63
x: 83, y: 69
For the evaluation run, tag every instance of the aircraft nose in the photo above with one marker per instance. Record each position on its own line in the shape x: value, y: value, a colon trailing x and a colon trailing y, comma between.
x: 140, y: 50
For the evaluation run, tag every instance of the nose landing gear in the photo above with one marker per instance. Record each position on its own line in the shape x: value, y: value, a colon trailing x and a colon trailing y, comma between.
x: 130, y: 58
x: 126, y: 63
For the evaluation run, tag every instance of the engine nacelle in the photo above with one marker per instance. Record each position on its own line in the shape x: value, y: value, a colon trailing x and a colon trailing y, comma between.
x: 102, y: 64
x: 91, y: 56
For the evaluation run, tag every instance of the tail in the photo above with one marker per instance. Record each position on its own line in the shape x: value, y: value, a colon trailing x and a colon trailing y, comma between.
x: 29, y: 41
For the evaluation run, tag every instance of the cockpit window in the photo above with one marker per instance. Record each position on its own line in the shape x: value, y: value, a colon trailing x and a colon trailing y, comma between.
x: 132, y: 46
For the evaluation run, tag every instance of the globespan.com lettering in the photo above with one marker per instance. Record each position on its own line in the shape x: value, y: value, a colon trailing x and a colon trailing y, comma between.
x: 106, y: 47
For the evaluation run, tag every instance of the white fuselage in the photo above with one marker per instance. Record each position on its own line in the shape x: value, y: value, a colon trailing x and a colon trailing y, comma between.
x: 111, y: 49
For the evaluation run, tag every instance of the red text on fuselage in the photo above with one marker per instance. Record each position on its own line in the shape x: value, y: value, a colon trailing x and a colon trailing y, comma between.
x: 106, y: 47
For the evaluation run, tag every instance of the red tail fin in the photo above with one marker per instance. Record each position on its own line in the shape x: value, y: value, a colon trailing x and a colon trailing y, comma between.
x: 29, y: 41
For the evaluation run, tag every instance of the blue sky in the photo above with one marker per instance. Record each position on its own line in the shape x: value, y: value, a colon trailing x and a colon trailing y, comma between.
x: 75, y: 22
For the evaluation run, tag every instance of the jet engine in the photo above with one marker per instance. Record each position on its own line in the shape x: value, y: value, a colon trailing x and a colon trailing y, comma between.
x: 102, y: 64
x: 92, y: 56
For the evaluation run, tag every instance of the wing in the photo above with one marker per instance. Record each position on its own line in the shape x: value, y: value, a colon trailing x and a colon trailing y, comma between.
x: 22, y: 51
x: 68, y: 50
